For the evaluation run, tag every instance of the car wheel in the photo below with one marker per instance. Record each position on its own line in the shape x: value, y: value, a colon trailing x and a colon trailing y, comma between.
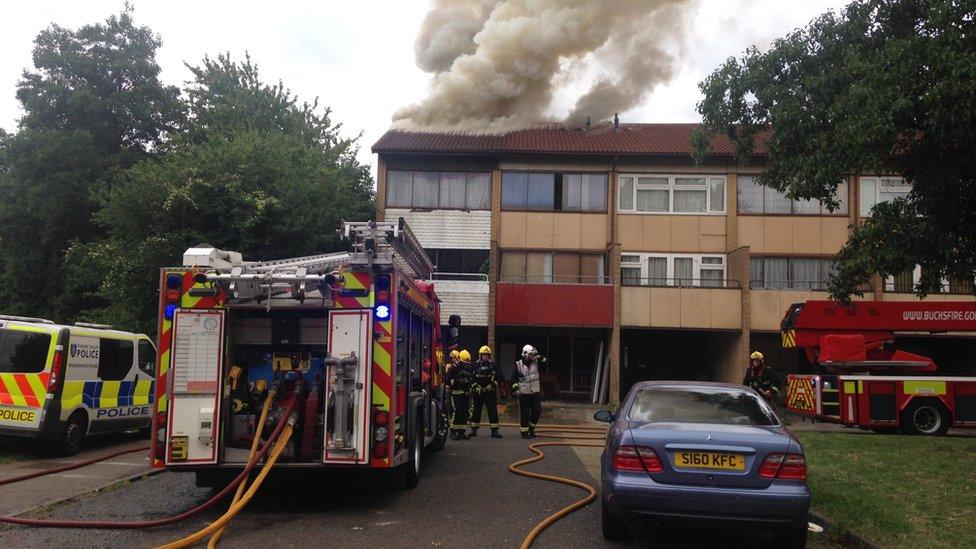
x: 72, y: 436
x: 614, y: 528
x: 925, y: 417
x: 410, y: 474
x: 795, y: 537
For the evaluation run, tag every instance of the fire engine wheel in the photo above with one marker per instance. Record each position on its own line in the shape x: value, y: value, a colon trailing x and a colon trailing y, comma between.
x: 72, y: 435
x: 924, y: 417
x: 410, y: 471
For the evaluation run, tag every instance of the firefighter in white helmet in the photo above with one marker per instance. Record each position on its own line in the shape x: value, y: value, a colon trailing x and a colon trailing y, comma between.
x: 525, y: 384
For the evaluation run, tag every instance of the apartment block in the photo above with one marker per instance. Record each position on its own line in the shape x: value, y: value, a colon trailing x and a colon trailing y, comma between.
x: 610, y: 245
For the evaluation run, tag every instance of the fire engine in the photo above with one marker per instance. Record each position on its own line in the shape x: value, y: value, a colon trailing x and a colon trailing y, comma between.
x: 865, y: 380
x: 352, y: 337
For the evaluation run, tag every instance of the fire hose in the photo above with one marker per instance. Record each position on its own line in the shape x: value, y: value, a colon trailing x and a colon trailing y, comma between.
x: 574, y: 440
x: 109, y: 525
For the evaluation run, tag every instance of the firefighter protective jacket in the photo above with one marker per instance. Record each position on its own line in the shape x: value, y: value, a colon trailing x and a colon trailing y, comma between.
x: 527, y: 375
x: 459, y: 377
x: 487, y: 374
x: 763, y: 380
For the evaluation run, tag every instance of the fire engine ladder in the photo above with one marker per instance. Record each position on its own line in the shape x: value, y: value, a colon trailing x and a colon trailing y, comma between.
x: 375, y: 244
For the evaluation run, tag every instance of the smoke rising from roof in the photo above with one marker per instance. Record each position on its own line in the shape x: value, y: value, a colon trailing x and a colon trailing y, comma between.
x: 498, y: 63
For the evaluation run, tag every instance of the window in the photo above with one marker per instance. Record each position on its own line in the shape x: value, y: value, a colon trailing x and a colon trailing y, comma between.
x: 907, y: 281
x: 759, y: 199
x: 114, y: 358
x: 552, y: 267
x: 586, y: 192
x: 700, y: 405
x: 671, y: 194
x: 147, y: 358
x: 875, y: 190
x: 789, y: 273
x: 430, y: 190
x: 23, y: 352
x: 459, y: 261
x: 672, y: 270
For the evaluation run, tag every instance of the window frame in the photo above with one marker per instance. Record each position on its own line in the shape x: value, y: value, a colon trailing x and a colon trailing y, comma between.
x: 558, y: 190
x: 550, y: 275
x: 671, y: 186
x: 789, y: 283
x: 697, y: 266
x: 843, y: 198
x: 469, y: 177
x: 904, y: 187
x: 945, y: 285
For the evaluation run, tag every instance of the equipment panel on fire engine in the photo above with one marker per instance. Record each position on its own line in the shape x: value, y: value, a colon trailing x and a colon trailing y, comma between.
x: 197, y: 356
x: 347, y: 387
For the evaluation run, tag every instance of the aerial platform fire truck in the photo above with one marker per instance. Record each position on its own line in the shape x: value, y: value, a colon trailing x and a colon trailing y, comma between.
x: 865, y: 380
x: 353, y: 337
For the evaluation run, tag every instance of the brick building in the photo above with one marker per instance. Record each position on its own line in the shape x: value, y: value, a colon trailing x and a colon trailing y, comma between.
x: 611, y: 241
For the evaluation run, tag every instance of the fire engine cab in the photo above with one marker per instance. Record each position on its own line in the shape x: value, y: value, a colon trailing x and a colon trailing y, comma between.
x: 866, y: 381
x: 352, y: 337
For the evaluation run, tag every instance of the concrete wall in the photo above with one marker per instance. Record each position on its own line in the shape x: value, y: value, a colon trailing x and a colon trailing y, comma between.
x: 793, y: 235
x: 554, y: 230
x: 672, y: 233
x: 447, y: 228
x: 661, y: 307
x: 469, y: 299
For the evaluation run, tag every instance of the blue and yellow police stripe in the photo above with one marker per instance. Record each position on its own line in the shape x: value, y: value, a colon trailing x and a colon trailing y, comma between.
x: 107, y: 394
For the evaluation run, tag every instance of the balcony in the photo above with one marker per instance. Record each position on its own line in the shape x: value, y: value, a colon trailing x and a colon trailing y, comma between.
x: 464, y: 294
x: 714, y: 304
x: 577, y: 301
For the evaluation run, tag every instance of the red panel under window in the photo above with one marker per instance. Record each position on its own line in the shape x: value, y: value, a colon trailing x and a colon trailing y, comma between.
x: 554, y: 305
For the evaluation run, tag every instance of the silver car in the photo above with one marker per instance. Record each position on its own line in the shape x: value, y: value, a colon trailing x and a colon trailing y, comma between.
x: 702, y: 452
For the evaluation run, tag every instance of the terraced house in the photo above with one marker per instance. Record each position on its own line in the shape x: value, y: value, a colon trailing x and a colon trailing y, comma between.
x: 609, y: 243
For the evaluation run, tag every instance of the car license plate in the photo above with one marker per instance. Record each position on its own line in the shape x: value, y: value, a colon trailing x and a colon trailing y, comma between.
x: 709, y: 460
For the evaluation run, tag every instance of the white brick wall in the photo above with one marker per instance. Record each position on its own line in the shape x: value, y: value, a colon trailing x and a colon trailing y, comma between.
x: 447, y: 228
x: 469, y: 299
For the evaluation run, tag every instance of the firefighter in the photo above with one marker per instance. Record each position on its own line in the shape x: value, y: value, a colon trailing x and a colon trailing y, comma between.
x: 459, y: 380
x: 525, y: 384
x: 484, y: 392
x: 761, y: 378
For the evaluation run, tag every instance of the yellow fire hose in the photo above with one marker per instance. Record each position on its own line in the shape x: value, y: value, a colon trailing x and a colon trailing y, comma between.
x: 238, y: 506
x: 592, y: 433
x: 254, y: 450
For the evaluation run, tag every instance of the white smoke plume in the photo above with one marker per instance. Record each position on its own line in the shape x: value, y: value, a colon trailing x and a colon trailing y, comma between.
x: 497, y: 63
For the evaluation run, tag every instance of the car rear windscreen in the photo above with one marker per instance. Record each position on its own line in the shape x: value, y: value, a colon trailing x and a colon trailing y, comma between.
x: 23, y: 352
x: 700, y: 405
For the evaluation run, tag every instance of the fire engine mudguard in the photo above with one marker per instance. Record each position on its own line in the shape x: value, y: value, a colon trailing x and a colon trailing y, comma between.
x: 440, y: 437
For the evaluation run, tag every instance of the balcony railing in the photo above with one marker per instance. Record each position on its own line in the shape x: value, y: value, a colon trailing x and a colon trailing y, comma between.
x: 555, y: 279
x: 960, y: 288
x: 467, y: 277
x: 681, y: 282
x: 799, y: 285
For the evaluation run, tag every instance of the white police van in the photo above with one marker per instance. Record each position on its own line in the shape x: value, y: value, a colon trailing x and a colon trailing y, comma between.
x: 61, y: 383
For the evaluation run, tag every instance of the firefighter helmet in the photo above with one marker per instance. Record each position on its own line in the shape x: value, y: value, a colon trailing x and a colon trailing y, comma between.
x: 464, y: 356
x: 528, y: 350
x: 454, y: 353
x: 756, y: 355
x: 484, y: 350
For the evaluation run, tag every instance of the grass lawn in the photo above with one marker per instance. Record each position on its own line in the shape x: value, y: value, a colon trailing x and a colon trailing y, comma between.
x: 896, y: 490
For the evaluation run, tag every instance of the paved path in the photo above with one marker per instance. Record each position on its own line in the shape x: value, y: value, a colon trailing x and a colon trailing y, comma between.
x: 18, y: 497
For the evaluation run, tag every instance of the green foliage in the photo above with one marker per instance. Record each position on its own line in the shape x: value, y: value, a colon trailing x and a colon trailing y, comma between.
x: 261, y: 175
x: 885, y: 86
x: 93, y: 107
x: 112, y: 175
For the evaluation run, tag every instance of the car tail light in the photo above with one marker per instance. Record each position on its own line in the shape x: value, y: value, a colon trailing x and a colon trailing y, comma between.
x: 56, y: 367
x: 784, y: 467
x: 381, y: 418
x: 379, y: 449
x: 636, y: 459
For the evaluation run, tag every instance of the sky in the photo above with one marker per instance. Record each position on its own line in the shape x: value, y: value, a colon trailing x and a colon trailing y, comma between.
x: 357, y: 56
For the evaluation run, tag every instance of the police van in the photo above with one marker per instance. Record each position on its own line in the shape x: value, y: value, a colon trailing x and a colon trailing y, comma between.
x: 61, y: 383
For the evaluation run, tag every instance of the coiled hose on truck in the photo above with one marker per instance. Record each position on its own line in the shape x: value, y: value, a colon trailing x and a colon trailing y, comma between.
x: 133, y: 525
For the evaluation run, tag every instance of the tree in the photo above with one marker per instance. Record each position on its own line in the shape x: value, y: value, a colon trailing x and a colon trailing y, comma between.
x: 885, y: 86
x: 93, y: 106
x: 254, y: 171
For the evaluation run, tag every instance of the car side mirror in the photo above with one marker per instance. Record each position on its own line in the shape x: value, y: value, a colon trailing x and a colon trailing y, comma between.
x: 605, y: 416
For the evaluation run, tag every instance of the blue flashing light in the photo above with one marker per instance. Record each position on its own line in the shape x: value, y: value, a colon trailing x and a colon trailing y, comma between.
x: 174, y: 282
x: 382, y: 312
x: 169, y: 312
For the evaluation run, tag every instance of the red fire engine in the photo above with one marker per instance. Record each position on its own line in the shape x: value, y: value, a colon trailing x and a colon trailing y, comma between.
x: 868, y: 382
x: 349, y: 341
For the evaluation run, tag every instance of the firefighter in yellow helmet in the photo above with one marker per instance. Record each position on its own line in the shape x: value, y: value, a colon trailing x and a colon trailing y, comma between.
x: 453, y: 359
x: 459, y: 380
x: 760, y: 377
x: 484, y: 392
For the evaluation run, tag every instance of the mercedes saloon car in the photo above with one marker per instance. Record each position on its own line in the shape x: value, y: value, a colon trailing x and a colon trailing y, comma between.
x: 702, y: 452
